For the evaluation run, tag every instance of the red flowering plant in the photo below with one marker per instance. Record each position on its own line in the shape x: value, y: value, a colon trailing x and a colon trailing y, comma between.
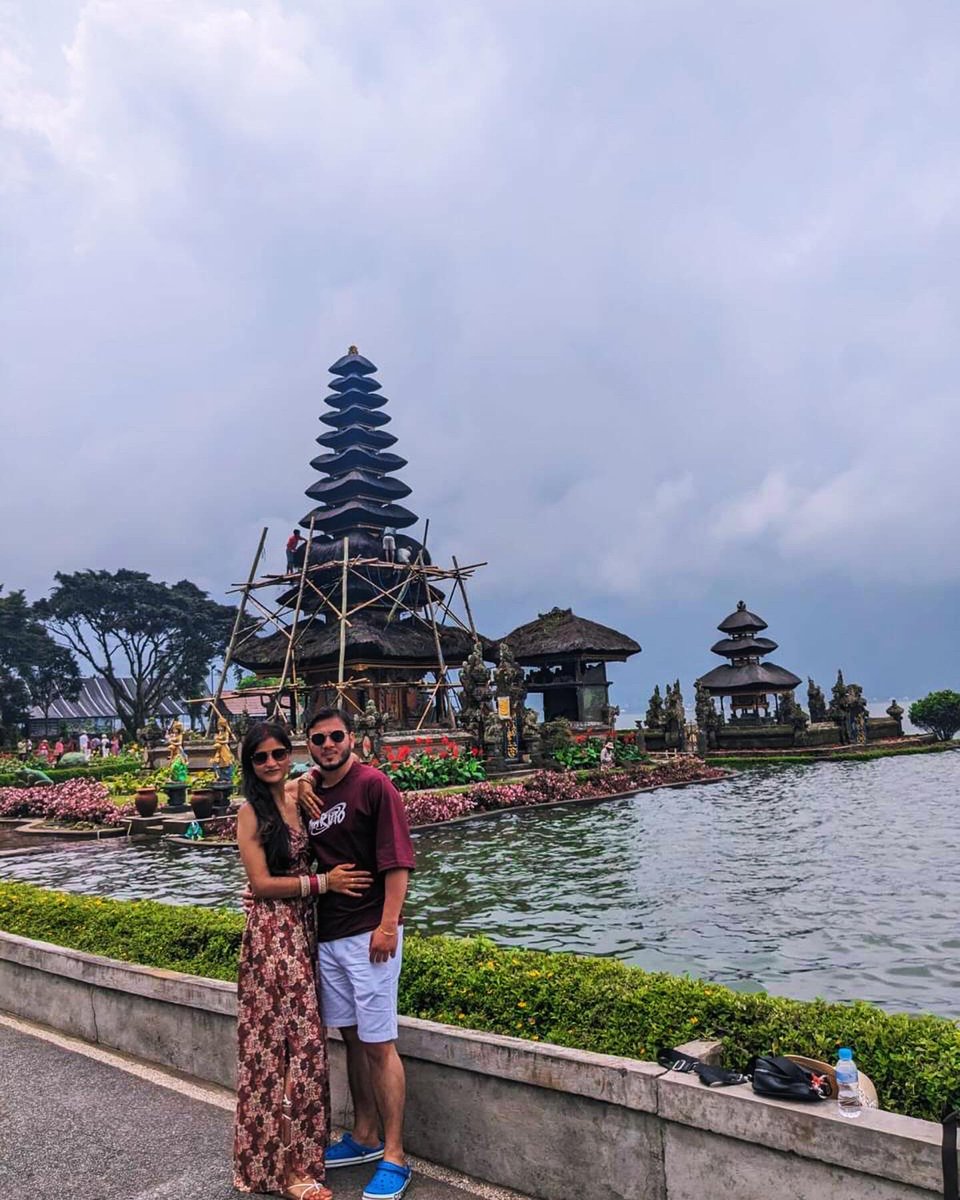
x: 585, y: 752
x: 446, y: 767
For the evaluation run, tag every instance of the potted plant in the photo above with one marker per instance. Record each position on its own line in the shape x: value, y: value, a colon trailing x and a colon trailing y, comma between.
x: 221, y: 796
x: 176, y: 796
x: 145, y: 801
x: 201, y: 801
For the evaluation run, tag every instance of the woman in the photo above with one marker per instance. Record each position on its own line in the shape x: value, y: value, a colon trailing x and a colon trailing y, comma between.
x: 283, y: 1097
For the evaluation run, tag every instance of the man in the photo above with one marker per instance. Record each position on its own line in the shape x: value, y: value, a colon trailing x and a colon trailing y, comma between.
x: 293, y: 543
x: 84, y: 743
x: 357, y: 817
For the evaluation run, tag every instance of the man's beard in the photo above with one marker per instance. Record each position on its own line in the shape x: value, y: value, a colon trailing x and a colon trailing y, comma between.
x: 334, y: 766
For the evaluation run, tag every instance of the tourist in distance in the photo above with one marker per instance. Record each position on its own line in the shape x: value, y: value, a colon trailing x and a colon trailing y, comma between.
x: 357, y: 815
x: 283, y: 1094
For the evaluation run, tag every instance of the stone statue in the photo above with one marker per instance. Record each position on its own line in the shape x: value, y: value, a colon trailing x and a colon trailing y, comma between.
x: 835, y: 709
x: 655, y: 714
x: 371, y: 726
x: 510, y: 681
x: 223, y: 759
x: 475, y: 692
x: 815, y: 702
x: 675, y: 719
x: 895, y: 711
x: 609, y: 714
x: 531, y: 725
x: 793, y: 715
x: 175, y: 741
x: 493, y: 734
x: 848, y: 710
x: 708, y: 719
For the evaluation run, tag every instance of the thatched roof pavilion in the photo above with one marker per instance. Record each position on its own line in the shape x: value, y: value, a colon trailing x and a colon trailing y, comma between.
x: 567, y: 655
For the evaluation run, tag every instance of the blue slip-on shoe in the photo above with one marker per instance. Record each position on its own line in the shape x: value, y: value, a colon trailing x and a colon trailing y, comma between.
x: 389, y: 1182
x: 348, y: 1153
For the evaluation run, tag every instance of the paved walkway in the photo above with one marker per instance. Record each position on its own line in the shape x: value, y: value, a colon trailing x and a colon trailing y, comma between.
x: 80, y: 1123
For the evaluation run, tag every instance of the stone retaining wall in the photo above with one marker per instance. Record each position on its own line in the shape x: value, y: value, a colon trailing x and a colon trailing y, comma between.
x: 545, y: 1120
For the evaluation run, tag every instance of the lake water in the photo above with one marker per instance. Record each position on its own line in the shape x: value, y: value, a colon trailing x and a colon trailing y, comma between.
x: 833, y: 879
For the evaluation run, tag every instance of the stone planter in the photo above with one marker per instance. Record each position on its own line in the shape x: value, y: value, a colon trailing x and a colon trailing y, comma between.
x: 146, y: 801
x: 221, y: 797
x: 201, y: 801
x: 176, y: 797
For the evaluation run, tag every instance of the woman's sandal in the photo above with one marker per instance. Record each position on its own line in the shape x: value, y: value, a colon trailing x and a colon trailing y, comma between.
x: 307, y: 1189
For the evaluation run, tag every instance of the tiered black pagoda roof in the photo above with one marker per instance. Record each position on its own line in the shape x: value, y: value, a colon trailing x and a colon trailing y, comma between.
x: 745, y: 673
x: 357, y: 493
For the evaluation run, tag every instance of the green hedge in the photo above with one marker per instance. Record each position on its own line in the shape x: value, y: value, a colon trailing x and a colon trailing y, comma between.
x: 589, y: 1003
x: 866, y: 755
x: 104, y: 770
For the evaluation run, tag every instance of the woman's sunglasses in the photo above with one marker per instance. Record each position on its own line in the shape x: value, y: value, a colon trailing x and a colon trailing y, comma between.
x: 337, y: 736
x: 260, y: 756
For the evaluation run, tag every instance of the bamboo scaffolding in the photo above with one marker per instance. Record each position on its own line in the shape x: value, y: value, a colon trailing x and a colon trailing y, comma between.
x: 233, y: 636
x: 323, y: 592
x: 293, y: 633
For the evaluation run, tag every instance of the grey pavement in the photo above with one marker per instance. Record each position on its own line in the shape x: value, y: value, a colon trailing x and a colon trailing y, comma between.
x: 73, y: 1128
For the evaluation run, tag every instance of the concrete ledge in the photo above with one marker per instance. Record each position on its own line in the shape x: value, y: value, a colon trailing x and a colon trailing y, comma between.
x: 883, y: 1144
x: 519, y: 1114
x: 169, y: 987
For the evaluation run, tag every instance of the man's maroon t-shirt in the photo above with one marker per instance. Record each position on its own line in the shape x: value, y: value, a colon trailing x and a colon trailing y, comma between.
x: 363, y: 822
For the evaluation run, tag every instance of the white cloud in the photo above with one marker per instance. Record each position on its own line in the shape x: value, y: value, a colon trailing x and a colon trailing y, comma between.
x: 656, y: 294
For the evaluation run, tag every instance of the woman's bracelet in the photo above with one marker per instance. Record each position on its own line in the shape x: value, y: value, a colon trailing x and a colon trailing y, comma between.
x: 313, y: 885
x: 387, y: 932
x: 304, y: 885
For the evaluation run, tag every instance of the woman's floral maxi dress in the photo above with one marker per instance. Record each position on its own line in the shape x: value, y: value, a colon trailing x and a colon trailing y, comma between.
x: 280, y: 1036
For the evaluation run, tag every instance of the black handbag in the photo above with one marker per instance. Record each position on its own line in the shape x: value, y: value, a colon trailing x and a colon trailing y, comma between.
x: 948, y: 1154
x: 781, y: 1079
x: 778, y: 1078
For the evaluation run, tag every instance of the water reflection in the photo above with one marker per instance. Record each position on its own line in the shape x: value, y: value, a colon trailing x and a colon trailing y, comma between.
x: 837, y: 880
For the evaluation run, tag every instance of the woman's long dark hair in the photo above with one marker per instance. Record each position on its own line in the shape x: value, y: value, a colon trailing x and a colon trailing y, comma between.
x: 271, y: 827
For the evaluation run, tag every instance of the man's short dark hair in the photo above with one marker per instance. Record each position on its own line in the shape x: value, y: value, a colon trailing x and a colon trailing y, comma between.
x: 326, y: 713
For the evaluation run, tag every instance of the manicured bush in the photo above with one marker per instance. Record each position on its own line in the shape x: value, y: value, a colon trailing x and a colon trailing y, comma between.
x: 197, y: 941
x: 588, y: 1003
x: 104, y: 768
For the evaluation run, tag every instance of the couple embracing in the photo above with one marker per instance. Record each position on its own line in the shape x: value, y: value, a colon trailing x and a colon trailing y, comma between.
x: 327, y: 859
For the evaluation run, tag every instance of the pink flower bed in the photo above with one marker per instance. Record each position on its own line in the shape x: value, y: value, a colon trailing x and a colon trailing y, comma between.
x: 76, y: 801
x: 551, y: 787
x: 425, y: 809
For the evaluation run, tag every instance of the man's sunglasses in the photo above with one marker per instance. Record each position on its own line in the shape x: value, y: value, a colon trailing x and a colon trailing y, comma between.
x: 337, y: 736
x: 260, y: 756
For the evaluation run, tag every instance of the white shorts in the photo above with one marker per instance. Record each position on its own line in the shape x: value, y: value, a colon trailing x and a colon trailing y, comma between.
x: 356, y: 991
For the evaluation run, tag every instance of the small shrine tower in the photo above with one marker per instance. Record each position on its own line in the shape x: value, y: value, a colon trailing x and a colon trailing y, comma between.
x: 745, y: 679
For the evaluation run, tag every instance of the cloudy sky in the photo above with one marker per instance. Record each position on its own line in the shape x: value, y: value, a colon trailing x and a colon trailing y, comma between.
x: 665, y: 296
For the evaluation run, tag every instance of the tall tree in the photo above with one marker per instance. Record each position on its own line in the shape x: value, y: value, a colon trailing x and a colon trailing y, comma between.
x: 32, y: 665
x: 124, y: 624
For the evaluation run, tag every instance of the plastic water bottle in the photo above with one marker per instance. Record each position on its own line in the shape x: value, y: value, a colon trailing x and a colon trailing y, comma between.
x: 848, y: 1085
